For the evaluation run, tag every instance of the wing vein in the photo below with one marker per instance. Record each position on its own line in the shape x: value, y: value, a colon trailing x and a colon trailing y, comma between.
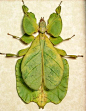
x: 35, y: 79
x: 51, y: 82
x: 51, y: 69
x: 31, y: 58
x: 32, y: 70
x: 53, y: 59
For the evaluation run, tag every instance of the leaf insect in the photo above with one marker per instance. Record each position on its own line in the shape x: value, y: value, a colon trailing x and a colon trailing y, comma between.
x: 42, y: 72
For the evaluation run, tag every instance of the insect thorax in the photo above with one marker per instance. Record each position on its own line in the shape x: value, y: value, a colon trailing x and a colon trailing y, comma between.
x: 42, y: 25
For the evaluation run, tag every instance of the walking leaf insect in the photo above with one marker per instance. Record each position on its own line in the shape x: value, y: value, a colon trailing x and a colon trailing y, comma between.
x: 42, y: 72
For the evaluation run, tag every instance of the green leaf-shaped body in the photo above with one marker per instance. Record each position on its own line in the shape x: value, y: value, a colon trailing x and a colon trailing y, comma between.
x: 42, y: 73
x: 42, y: 64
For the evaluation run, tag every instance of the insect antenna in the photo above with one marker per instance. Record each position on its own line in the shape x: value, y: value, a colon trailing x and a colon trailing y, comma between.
x: 2, y: 53
x: 23, y: 2
x: 60, y: 3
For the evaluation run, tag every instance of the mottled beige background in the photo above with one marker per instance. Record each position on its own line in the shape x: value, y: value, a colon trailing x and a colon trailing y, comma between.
x: 73, y: 16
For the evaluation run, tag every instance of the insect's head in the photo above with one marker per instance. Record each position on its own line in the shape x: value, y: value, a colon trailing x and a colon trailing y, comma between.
x: 42, y: 25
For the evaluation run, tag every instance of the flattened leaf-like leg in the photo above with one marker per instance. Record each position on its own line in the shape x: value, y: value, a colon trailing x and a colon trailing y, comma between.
x: 64, y: 54
x: 54, y: 26
x: 20, y: 53
x: 29, y: 25
x: 61, y: 52
x: 29, y: 21
x: 26, y: 39
x: 57, y: 40
x: 58, y: 9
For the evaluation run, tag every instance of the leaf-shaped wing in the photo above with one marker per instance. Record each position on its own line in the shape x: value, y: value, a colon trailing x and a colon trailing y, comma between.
x: 53, y: 65
x: 42, y: 65
x: 32, y: 66
x: 54, y: 26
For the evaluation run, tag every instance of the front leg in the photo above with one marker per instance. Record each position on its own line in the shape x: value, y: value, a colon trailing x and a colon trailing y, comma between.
x: 26, y: 39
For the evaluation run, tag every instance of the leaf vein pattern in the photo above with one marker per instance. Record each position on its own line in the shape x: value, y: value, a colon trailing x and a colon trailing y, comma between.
x: 32, y: 70
x: 31, y: 58
x: 36, y: 79
x: 53, y: 59
x: 51, y: 82
x: 51, y: 69
x: 35, y: 47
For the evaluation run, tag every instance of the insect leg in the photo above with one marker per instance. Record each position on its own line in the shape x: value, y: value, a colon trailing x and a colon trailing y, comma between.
x: 24, y: 7
x: 13, y: 36
x: 57, y: 40
x: 73, y: 56
x: 68, y: 38
x: 64, y: 54
x: 8, y: 54
x: 61, y: 52
x: 26, y: 39
x: 20, y: 53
